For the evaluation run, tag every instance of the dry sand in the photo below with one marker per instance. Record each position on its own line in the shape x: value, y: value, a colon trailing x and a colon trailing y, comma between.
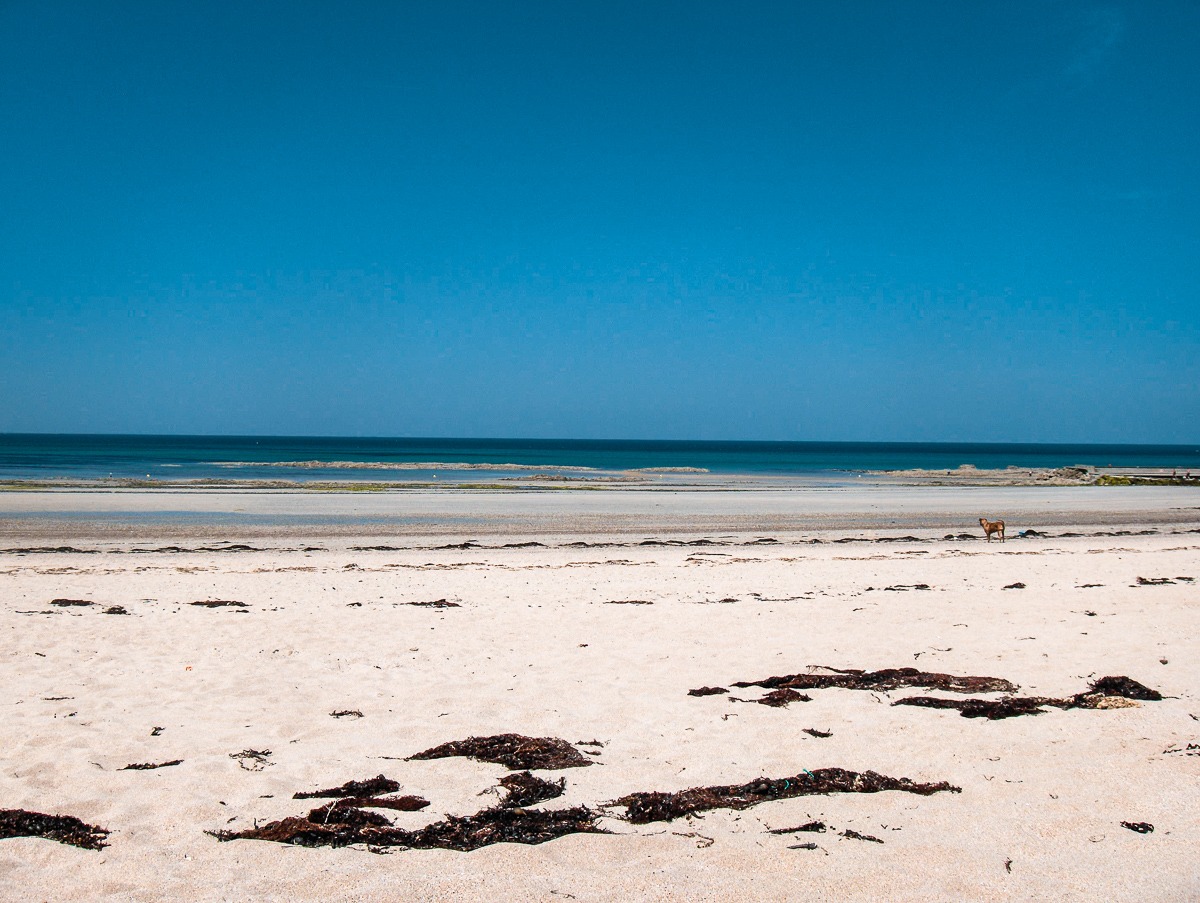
x: 535, y: 648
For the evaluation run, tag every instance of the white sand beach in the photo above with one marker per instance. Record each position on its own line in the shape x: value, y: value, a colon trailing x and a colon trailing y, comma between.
x: 534, y: 645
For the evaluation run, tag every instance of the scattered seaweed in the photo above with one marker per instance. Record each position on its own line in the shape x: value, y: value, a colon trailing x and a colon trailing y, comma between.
x: 63, y: 828
x: 147, y: 766
x: 219, y: 603
x: 886, y: 679
x: 629, y: 602
x: 370, y: 787
x: 813, y: 732
x: 1139, y: 827
x: 80, y: 603
x: 645, y: 807
x: 116, y: 610
x: 435, y: 603
x: 854, y: 835
x: 525, y: 789
x: 1191, y: 749
x: 905, y: 587
x: 1141, y: 581
x: 514, y: 751
x: 325, y: 827
x: 252, y: 759
x: 1017, y: 585
x: 1104, y: 693
x: 708, y: 691
x: 346, y: 713
x: 815, y: 827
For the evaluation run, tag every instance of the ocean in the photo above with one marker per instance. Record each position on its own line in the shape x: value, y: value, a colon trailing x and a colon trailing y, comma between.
x: 76, y: 457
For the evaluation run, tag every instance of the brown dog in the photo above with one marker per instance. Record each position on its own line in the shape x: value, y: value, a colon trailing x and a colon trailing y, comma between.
x: 992, y: 526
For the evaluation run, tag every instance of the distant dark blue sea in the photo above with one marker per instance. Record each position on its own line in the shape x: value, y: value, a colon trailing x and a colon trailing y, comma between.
x: 27, y: 456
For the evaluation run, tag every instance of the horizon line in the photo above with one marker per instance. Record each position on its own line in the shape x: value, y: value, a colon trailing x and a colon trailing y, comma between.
x: 363, y: 437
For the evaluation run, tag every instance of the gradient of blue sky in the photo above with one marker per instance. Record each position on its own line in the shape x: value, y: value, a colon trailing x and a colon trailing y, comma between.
x: 779, y: 220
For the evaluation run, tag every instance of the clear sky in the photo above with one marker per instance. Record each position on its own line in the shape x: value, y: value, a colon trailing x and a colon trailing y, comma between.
x: 772, y: 220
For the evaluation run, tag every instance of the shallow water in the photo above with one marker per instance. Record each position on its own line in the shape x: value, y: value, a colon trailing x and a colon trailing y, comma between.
x: 28, y: 456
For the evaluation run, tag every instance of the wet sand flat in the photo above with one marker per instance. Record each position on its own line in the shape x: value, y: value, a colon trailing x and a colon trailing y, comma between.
x: 729, y: 505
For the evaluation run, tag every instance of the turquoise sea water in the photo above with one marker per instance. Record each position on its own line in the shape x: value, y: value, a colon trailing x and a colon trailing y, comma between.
x: 26, y: 456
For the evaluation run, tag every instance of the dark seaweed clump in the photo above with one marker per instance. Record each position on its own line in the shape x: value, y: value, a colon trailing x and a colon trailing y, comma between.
x: 343, y: 823
x: 642, y: 808
x: 435, y: 603
x: 63, y: 828
x: 514, y: 751
x: 886, y: 679
x: 1098, y: 696
x: 148, y: 766
x: 529, y: 826
x: 1139, y: 827
x: 1120, y: 686
x: 219, y: 603
x: 524, y: 789
x: 67, y: 603
x: 370, y: 787
x: 707, y: 691
x: 785, y: 696
x: 994, y: 709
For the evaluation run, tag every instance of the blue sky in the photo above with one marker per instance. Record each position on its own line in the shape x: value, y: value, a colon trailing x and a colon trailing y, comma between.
x: 858, y: 221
